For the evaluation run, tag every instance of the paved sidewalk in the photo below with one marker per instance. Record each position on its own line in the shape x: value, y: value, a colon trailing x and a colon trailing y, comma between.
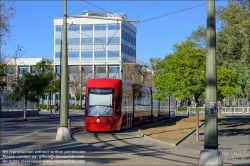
x: 233, y: 139
x: 42, y: 148
x: 42, y: 115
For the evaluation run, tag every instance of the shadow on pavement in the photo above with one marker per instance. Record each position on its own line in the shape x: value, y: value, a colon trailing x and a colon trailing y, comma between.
x: 233, y: 127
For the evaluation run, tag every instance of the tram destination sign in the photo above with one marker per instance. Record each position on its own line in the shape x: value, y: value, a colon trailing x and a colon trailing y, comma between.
x: 101, y: 90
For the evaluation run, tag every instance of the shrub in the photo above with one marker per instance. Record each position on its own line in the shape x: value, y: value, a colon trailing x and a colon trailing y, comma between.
x: 44, y: 106
x: 78, y: 107
x: 182, y: 108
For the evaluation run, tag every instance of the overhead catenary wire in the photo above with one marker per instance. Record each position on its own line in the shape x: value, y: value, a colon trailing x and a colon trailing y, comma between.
x: 96, y: 6
x: 153, y: 18
x: 171, y: 13
x: 104, y: 47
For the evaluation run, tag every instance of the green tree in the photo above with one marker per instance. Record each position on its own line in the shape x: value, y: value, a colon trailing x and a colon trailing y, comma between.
x: 198, y: 36
x: 232, y: 43
x: 29, y: 87
x: 2, y: 82
x: 53, y: 81
x: 2, y: 76
x: 7, y: 12
x: 189, y: 73
x: 53, y: 87
x: 226, y: 82
x: 182, y: 73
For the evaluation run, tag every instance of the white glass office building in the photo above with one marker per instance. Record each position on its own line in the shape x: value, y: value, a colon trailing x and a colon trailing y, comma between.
x: 97, y: 42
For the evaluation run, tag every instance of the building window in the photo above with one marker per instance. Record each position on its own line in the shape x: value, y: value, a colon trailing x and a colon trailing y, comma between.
x: 32, y: 69
x: 73, y: 69
x: 113, y: 53
x: 114, y: 40
x: 87, y: 27
x: 73, y: 40
x: 59, y: 28
x: 23, y: 69
x: 87, y: 54
x: 58, y: 69
x: 74, y: 28
x: 113, y: 69
x: 100, y: 53
x: 87, y: 69
x: 73, y: 54
x: 113, y: 26
x: 126, y: 56
x: 100, y: 40
x: 87, y: 40
x: 99, y: 27
x: 100, y: 69
x: 58, y: 41
x: 58, y: 54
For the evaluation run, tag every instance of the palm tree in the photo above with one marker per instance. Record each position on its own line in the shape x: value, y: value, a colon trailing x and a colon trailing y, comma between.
x: 154, y: 62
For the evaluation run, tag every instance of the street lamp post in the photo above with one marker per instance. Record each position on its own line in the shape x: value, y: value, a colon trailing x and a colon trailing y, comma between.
x: 63, y: 132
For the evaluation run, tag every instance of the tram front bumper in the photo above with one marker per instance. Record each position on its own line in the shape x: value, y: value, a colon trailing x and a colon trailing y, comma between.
x: 102, y: 127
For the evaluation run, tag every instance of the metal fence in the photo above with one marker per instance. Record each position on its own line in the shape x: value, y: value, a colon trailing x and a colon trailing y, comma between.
x: 239, y: 103
x: 8, y: 105
x: 225, y: 110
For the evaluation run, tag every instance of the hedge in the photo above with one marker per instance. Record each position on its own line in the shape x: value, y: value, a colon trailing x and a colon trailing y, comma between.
x: 182, y: 108
x: 44, y: 106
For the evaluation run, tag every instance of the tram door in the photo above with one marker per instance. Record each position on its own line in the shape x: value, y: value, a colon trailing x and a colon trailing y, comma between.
x: 127, y: 105
x: 117, y: 120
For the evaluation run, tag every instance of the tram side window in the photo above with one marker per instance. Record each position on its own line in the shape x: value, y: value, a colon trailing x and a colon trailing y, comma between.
x: 118, y: 104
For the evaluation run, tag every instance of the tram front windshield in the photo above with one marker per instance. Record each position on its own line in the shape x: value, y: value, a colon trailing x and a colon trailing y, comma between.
x: 100, y: 102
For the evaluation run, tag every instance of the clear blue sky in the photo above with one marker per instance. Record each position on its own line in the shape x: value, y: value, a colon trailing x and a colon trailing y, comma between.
x: 33, y: 24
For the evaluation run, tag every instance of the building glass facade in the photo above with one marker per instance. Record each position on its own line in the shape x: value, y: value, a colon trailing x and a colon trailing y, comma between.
x: 97, y: 47
x: 95, y: 42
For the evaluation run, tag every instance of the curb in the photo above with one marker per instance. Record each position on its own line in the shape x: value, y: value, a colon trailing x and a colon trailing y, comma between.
x: 152, y: 139
x: 167, y: 143
x: 159, y: 141
x: 185, y: 137
x: 157, y: 122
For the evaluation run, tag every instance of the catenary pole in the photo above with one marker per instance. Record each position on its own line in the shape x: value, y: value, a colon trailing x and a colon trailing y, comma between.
x: 64, y: 73
x: 63, y: 133
x: 211, y: 127
x: 211, y: 155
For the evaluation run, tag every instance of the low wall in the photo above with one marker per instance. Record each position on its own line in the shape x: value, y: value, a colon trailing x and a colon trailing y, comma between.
x: 10, y: 114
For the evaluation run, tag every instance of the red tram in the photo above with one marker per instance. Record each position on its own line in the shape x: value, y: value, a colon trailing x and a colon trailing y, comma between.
x: 114, y: 104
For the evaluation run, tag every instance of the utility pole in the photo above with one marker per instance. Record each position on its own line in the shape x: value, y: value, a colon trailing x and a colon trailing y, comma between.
x: 63, y: 132
x: 121, y: 76
x: 211, y: 155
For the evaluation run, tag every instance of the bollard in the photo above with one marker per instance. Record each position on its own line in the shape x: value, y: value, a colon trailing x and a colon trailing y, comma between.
x: 69, y: 123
